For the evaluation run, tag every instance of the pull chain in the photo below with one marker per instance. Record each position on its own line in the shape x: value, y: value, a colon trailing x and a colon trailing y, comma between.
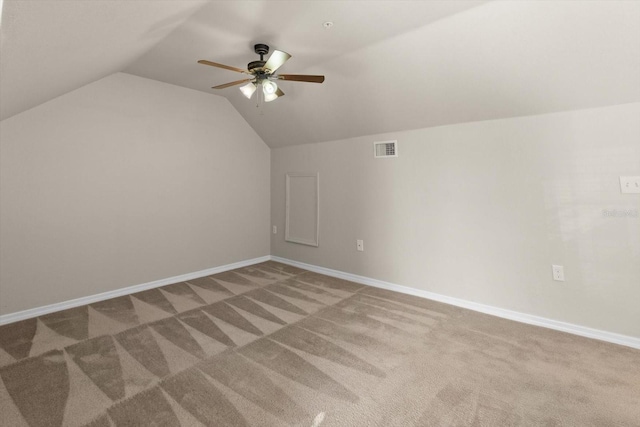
x: 259, y: 101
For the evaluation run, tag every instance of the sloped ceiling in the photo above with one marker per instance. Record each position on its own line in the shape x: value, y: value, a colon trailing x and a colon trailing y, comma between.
x: 51, y: 47
x: 389, y: 65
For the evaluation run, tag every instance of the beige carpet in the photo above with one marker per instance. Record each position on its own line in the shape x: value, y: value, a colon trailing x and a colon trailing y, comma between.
x: 273, y: 345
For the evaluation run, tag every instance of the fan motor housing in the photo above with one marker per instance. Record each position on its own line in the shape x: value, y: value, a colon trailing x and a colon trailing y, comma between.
x: 255, y: 66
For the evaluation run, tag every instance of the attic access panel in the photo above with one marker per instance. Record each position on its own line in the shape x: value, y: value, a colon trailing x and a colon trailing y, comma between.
x: 302, y: 208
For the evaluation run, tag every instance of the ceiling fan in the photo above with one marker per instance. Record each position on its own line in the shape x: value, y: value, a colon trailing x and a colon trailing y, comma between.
x: 263, y: 74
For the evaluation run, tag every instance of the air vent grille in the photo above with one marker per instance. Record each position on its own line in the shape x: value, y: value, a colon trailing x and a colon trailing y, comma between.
x: 385, y: 149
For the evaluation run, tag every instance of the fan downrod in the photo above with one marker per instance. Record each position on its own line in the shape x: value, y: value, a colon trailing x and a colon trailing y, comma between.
x: 261, y: 49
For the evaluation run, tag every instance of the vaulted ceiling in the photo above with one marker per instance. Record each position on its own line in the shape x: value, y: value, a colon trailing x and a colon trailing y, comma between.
x: 389, y: 65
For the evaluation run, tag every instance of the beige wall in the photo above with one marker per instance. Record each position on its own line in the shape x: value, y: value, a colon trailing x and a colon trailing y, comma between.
x: 122, y: 182
x: 480, y: 211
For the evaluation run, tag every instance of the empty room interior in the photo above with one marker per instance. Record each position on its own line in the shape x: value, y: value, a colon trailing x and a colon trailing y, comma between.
x: 319, y: 213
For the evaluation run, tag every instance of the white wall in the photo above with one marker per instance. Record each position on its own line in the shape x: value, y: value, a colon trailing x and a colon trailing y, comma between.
x: 480, y: 211
x: 122, y: 182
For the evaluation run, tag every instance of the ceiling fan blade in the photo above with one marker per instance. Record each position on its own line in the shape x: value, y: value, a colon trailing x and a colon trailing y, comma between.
x: 237, y: 82
x: 271, y: 96
x: 226, y: 67
x: 301, y: 78
x: 276, y: 60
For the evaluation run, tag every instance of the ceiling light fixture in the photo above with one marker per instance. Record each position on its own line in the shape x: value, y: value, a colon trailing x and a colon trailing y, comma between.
x: 327, y: 24
x: 248, y: 89
x: 268, y: 97
x: 269, y: 87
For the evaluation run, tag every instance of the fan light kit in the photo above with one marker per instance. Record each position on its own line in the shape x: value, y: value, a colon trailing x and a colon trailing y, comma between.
x: 262, y: 73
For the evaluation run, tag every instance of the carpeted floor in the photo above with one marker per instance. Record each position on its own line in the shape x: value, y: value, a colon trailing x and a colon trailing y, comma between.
x: 273, y: 345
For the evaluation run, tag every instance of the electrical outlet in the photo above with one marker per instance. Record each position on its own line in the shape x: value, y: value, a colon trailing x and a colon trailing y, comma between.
x: 558, y: 272
x: 630, y: 184
x: 275, y: 230
x: 360, y: 245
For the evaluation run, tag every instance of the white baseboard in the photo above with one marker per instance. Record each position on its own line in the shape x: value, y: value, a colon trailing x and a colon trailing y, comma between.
x: 611, y: 337
x: 46, y: 309
x: 482, y: 308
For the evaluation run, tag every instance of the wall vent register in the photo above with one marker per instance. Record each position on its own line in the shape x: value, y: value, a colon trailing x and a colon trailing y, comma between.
x: 385, y: 149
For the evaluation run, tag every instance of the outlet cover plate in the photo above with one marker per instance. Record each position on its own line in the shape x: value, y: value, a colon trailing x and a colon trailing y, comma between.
x: 558, y: 273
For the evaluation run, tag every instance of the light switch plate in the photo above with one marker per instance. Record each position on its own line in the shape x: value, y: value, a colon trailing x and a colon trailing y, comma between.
x: 630, y: 184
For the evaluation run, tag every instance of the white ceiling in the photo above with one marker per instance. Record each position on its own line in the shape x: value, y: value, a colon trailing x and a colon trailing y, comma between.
x: 389, y: 65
